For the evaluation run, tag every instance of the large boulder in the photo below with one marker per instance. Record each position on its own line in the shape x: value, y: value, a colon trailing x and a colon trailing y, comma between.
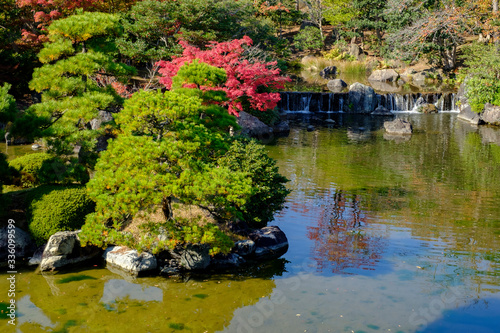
x: 252, y: 127
x: 226, y: 261
x: 384, y: 75
x: 407, y: 75
x: 491, y: 114
x: 130, y: 260
x: 244, y: 248
x: 336, y: 85
x: 195, y: 257
x: 270, y: 242
x: 465, y: 109
x: 21, y: 245
x: 355, y: 50
x: 398, y: 126
x: 329, y: 72
x: 362, y: 99
x: 103, y: 117
x: 63, y: 249
x: 386, y: 87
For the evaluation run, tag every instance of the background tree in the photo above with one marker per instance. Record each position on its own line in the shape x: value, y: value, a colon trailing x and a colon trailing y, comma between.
x: 150, y: 31
x: 437, y: 34
x: 369, y: 15
x: 482, y: 75
x: 44, y: 12
x: 77, y: 58
x: 18, y: 60
x: 247, y: 82
x: 338, y: 12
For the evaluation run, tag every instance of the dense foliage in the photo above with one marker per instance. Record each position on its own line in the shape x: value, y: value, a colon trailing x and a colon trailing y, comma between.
x: 77, y: 61
x: 55, y: 208
x: 482, y: 75
x: 42, y: 168
x: 308, y: 39
x: 214, y: 58
x: 179, y: 141
x: 6, y: 172
x: 268, y: 190
x: 247, y: 82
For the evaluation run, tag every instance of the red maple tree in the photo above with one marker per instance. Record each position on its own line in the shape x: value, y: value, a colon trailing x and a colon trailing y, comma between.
x: 248, y: 81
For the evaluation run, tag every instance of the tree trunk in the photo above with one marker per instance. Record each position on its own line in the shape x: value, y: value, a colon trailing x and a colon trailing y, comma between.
x: 495, y: 32
x: 167, y: 208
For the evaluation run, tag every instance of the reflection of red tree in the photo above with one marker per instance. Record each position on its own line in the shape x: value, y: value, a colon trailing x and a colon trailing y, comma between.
x: 338, y: 242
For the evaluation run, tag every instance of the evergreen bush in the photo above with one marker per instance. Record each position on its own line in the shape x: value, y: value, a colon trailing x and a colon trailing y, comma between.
x: 43, y: 168
x: 57, y: 208
x: 308, y: 39
x: 268, y: 189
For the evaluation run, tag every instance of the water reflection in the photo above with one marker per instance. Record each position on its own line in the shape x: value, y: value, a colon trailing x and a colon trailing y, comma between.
x: 116, y: 289
x: 98, y: 300
x: 340, y: 243
x: 29, y: 313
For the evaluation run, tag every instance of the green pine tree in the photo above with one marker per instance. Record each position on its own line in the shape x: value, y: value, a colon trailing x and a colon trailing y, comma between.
x: 73, y: 80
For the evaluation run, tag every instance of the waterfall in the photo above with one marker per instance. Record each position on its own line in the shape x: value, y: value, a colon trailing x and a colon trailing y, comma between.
x: 308, y: 102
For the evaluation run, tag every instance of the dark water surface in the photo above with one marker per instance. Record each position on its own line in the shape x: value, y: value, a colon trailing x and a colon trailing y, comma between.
x: 387, y: 234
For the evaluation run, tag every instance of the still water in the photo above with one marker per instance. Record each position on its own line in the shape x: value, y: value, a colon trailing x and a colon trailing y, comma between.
x: 387, y: 234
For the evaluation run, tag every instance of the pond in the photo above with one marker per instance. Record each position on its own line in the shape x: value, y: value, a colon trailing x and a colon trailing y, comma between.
x: 13, y: 151
x: 386, y: 234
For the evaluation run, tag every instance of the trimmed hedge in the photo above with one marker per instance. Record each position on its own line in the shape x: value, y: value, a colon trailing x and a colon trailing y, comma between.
x: 57, y: 208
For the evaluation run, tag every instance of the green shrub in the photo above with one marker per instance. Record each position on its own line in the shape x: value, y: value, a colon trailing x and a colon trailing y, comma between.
x: 57, y: 208
x: 339, y: 51
x: 8, y: 107
x: 6, y: 172
x: 269, y: 192
x: 308, y: 39
x: 42, y: 168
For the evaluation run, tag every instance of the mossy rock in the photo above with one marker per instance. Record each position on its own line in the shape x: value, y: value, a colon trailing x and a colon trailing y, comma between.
x: 57, y: 208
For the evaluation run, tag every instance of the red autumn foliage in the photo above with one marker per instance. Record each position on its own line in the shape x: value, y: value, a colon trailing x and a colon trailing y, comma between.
x: 245, y: 79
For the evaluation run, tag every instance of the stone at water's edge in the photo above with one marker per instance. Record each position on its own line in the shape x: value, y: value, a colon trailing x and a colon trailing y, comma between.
x: 24, y: 245
x: 252, y: 127
x: 465, y: 109
x: 362, y: 99
x: 270, y: 242
x: 328, y: 72
x: 130, y: 260
x: 398, y: 126
x: 63, y: 248
x: 384, y: 75
x: 336, y: 86
x: 195, y: 257
x: 382, y: 111
x: 225, y: 261
x: 244, y: 247
x: 491, y: 114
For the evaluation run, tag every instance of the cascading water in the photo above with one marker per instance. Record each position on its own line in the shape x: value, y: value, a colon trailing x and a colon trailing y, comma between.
x: 296, y: 102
